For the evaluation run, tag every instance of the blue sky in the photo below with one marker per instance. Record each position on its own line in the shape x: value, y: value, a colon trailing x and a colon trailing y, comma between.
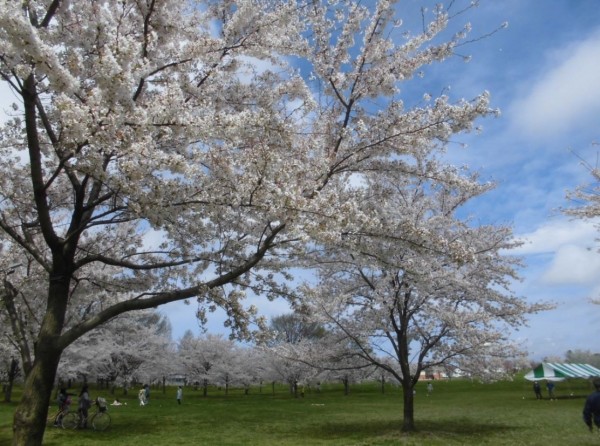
x: 543, y: 73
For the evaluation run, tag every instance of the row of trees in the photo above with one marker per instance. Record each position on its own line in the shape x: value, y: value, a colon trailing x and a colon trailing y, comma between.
x: 162, y: 150
x: 136, y: 348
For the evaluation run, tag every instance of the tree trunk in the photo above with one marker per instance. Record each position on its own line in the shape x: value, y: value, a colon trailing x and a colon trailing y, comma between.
x: 30, y: 416
x: 29, y: 422
x: 12, y: 374
x: 408, y: 423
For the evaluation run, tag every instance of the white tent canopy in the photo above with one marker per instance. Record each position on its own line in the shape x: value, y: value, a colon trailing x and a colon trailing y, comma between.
x: 555, y: 371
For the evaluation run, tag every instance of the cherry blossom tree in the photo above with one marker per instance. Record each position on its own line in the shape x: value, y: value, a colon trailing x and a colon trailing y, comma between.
x: 292, y: 328
x: 167, y: 150
x: 440, y: 299
x: 302, y: 350
x: 585, y: 199
x: 282, y: 364
x: 131, y: 347
x: 19, y: 316
x: 329, y: 358
x: 209, y: 360
x: 250, y: 367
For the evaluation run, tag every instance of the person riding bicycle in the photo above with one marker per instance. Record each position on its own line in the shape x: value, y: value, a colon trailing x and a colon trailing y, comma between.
x: 64, y: 401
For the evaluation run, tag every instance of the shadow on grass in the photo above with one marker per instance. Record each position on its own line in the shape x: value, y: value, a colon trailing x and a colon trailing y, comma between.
x: 567, y: 397
x: 451, y: 428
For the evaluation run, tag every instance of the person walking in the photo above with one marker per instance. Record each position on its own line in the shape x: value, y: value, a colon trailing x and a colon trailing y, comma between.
x: 591, y: 409
x: 179, y: 394
x: 538, y: 390
x: 550, y: 387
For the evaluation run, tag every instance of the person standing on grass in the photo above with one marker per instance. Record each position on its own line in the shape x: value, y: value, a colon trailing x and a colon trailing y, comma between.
x: 429, y: 389
x: 179, y: 394
x: 538, y: 390
x: 64, y: 401
x: 591, y: 410
x: 550, y: 387
x: 84, y: 405
x: 142, y: 396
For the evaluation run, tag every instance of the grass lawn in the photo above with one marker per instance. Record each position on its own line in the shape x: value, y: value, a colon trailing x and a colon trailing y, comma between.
x: 458, y: 412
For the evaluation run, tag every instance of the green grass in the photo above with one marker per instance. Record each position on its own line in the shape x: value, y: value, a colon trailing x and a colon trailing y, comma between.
x: 458, y: 413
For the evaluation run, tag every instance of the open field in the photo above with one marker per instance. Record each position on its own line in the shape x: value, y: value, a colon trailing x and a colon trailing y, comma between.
x: 457, y: 413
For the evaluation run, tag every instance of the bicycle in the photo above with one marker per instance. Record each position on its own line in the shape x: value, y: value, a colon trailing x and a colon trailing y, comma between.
x: 100, y: 419
x: 64, y: 419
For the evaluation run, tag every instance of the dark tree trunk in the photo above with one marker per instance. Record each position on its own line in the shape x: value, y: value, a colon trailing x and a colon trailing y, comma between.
x: 30, y: 416
x: 29, y: 422
x: 13, y: 371
x: 408, y: 423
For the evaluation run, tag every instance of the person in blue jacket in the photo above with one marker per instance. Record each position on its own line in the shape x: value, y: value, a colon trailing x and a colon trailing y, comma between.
x: 591, y: 410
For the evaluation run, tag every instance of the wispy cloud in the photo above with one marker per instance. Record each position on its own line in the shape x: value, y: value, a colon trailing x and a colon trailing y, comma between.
x: 574, y: 264
x: 562, y: 252
x: 556, y: 234
x: 567, y: 94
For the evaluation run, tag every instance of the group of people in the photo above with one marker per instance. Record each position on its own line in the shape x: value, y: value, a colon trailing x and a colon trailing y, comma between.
x: 537, y: 389
x: 591, y: 409
x: 64, y: 403
x: 144, y: 395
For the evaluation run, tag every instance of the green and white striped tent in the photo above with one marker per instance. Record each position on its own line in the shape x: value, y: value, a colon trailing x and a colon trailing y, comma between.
x: 555, y: 371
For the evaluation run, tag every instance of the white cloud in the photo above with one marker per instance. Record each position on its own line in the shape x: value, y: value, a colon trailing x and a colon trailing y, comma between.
x: 573, y: 265
x: 566, y: 97
x: 563, y: 252
x: 553, y: 235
